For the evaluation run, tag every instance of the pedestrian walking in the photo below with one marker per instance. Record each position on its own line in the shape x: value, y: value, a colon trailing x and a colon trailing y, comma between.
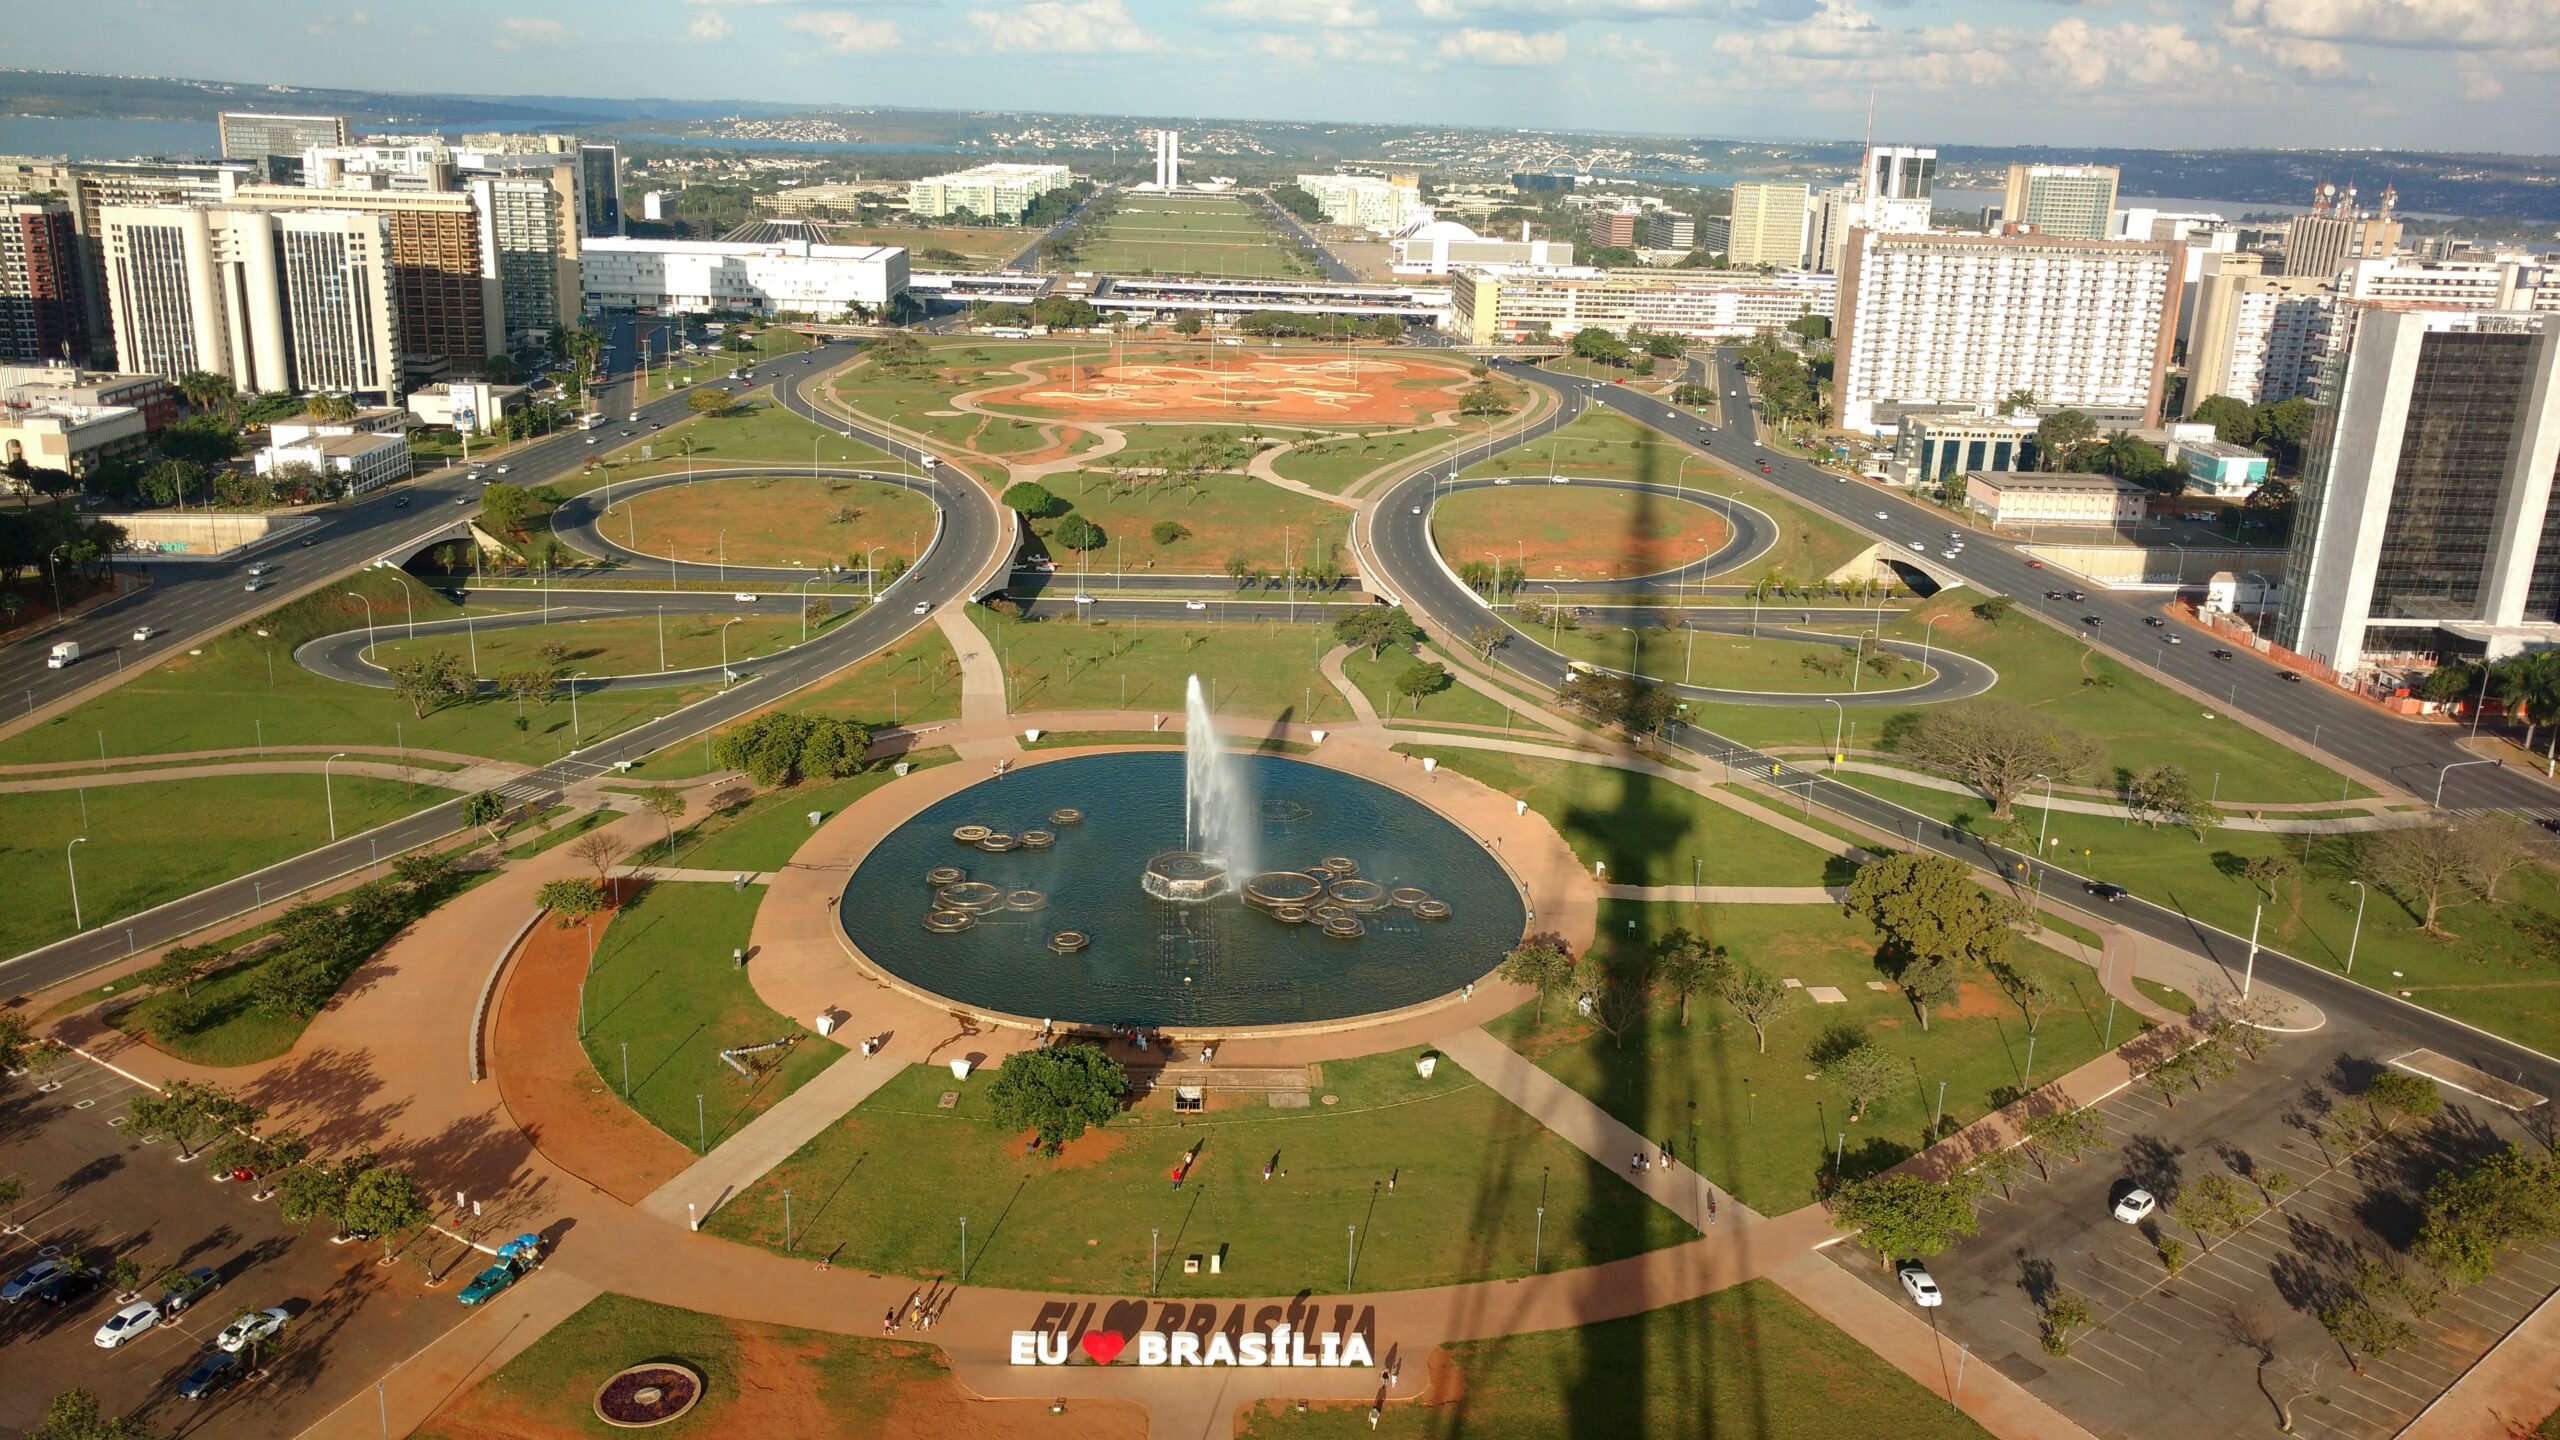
x: 889, y: 1326
x: 1635, y: 1163
x: 1373, y: 1417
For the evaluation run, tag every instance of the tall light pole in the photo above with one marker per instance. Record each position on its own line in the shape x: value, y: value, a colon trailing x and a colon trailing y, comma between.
x: 724, y: 557
x: 2362, y: 895
x: 575, y: 738
x: 804, y: 605
x: 1928, y: 633
x: 329, y: 791
x: 71, y: 865
x: 2045, y: 827
x: 2449, y: 769
x: 406, y: 586
x: 724, y: 651
x: 871, y: 571
x: 1839, y: 718
x: 368, y: 618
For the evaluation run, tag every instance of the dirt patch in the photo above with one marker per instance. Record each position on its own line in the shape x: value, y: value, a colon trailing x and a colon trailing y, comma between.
x: 1561, y: 532
x: 944, y: 1410
x: 1975, y: 1001
x: 1330, y: 390
x: 1089, y: 1149
x: 770, y: 520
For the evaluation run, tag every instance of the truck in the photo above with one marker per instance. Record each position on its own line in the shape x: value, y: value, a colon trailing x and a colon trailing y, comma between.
x: 66, y: 653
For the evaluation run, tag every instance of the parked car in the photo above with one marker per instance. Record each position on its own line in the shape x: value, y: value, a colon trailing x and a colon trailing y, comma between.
x: 2135, y: 1206
x: 127, y: 1323
x: 180, y: 1291
x: 28, y: 1281
x: 69, y: 1289
x: 250, y: 1328
x: 1919, y: 1284
x: 489, y: 1283
x: 211, y: 1375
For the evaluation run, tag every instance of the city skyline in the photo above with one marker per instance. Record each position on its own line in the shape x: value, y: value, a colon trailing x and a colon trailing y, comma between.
x: 2178, y: 73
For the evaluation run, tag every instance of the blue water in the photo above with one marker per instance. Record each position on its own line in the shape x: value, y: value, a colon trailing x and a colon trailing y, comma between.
x: 1217, y: 962
x: 715, y: 142
x: 90, y: 139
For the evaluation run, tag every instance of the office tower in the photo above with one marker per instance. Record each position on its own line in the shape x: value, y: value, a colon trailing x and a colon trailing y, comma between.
x: 274, y: 143
x: 1669, y: 230
x: 999, y: 192
x: 529, y: 237
x: 2257, y: 338
x: 1715, y: 235
x: 274, y: 299
x: 600, y: 184
x: 44, y: 312
x: 2335, y: 234
x: 444, y: 282
x: 1891, y: 196
x: 1168, y: 159
x: 1614, y: 227
x: 1971, y: 319
x: 2424, y: 525
x: 1768, y: 225
x: 2069, y: 201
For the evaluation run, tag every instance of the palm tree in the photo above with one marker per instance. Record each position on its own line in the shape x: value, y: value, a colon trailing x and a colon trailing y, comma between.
x: 333, y: 406
x: 2531, y: 683
x: 203, y: 390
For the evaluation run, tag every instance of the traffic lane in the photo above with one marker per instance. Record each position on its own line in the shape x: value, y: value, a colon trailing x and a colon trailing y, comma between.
x: 341, y: 656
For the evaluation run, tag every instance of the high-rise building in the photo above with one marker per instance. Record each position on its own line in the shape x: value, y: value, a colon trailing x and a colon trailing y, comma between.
x: 1670, y: 230
x: 1614, y: 227
x: 1168, y: 159
x: 1383, y: 205
x: 44, y: 311
x: 2336, y: 234
x: 2257, y: 338
x: 92, y: 185
x: 998, y: 192
x: 443, y: 282
x: 2506, y: 282
x: 2070, y: 201
x: 274, y: 299
x: 1768, y: 225
x: 1893, y: 195
x: 2425, y: 525
x: 1715, y: 235
x: 275, y: 143
x: 529, y: 236
x: 1495, y: 304
x: 600, y: 188
x: 1971, y: 319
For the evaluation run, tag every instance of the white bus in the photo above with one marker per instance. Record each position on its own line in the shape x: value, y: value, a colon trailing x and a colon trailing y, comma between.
x: 591, y: 420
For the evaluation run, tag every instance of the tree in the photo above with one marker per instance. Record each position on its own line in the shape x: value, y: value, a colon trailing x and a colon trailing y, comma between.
x: 74, y: 1415
x: 1755, y: 996
x: 2017, y: 400
x: 1167, y: 532
x: 261, y: 1154
x: 1422, y: 678
x: 502, y: 369
x: 2422, y: 865
x: 1684, y: 964
x: 318, y: 1191
x: 1903, y: 1217
x: 668, y: 806
x: 2065, y: 1310
x: 1541, y: 962
x: 2396, y: 1097
x: 2033, y: 997
x: 2233, y: 422
x: 189, y: 1112
x: 2366, y: 1331
x: 2003, y: 1167
x: 571, y: 899
x: 205, y: 392
x: 1863, y: 1071
x: 422, y: 870
x: 182, y: 966
x: 2214, y: 1206
x: 2059, y: 437
x: 1376, y: 628
x: 1056, y: 1093
x: 709, y: 400
x: 201, y: 439
x: 1994, y: 610
x: 2288, y: 1381
x: 484, y: 808
x: 2166, y: 795
x: 2504, y: 1198
x: 1080, y: 534
x: 18, y: 1042
x: 783, y: 747
x: 505, y: 507
x: 1932, y: 915
x: 430, y: 680
x: 2492, y: 848
x: 1484, y: 398
x: 1032, y: 500
x: 1997, y: 746
x: 2064, y: 1134
x: 1619, y: 1002
x: 1484, y: 639
x: 597, y: 851
x: 384, y: 1202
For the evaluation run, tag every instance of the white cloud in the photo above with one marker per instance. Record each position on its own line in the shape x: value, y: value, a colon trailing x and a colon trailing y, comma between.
x: 535, y: 29
x: 2311, y: 59
x: 708, y: 27
x: 1336, y: 14
x: 847, y: 33
x: 1353, y: 46
x: 1063, y: 27
x: 1842, y: 45
x: 2089, y: 56
x: 1504, y: 47
x: 1287, y: 49
x: 2418, y: 24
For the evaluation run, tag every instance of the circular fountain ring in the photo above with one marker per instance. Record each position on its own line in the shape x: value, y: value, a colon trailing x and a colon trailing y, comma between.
x: 1066, y: 815
x: 1357, y: 895
x: 942, y: 875
x: 1183, y: 875
x: 1341, y: 867
x: 1408, y: 896
x: 1289, y: 914
x: 1284, y: 812
x: 1038, y: 839
x: 1282, y: 887
x: 971, y: 897
x: 949, y: 922
x: 1344, y: 927
x: 999, y: 843
x: 1068, y: 942
x: 1431, y: 910
x: 971, y: 834
x: 1025, y: 901
x: 1328, y: 911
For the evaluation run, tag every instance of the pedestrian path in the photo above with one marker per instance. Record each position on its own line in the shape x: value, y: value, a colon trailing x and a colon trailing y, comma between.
x: 1727, y: 894
x: 737, y: 1163
x: 481, y: 776
x: 695, y: 876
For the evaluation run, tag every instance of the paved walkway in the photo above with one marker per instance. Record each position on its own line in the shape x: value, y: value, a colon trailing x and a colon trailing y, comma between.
x: 738, y: 1162
x: 482, y: 776
x: 1727, y: 894
x: 2509, y: 1392
x: 459, y: 1358
x: 2235, y: 817
x: 695, y: 876
x: 49, y: 767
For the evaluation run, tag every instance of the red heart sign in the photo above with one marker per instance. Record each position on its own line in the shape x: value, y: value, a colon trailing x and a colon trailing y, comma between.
x: 1104, y: 1345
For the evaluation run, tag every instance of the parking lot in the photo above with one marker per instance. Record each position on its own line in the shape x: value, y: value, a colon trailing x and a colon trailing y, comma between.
x: 2177, y: 1357
x: 93, y: 1191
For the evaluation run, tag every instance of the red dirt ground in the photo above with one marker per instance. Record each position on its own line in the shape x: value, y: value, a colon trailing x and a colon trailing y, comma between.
x: 1564, y: 533
x: 1320, y: 390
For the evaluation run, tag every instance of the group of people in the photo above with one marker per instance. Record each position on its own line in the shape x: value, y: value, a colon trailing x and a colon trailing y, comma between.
x: 1640, y: 1162
x: 923, y: 1307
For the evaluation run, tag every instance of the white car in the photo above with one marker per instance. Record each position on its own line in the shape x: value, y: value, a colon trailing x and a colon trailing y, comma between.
x: 143, y: 632
x: 631, y: 419
x: 592, y: 439
x: 1195, y: 604
x: 255, y: 586
x: 249, y: 1329
x: 1916, y: 545
x: 1559, y: 480
x: 1084, y: 599
x: 924, y: 607
x: 1882, y: 516
x: 1917, y: 1284
x: 127, y: 1323
x: 1501, y: 479
x: 2136, y: 1206
x: 1417, y: 509
x: 743, y: 598
x: 261, y: 568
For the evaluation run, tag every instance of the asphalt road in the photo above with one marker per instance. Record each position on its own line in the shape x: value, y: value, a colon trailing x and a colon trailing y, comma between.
x: 1289, y: 228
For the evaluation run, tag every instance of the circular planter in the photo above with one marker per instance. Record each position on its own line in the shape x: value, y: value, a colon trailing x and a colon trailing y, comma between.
x: 646, y: 1395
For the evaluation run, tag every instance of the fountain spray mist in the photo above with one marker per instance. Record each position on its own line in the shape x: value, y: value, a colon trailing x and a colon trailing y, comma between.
x: 1218, y: 815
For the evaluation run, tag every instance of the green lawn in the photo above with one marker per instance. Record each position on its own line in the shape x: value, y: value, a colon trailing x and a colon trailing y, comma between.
x: 611, y: 645
x: 1734, y: 662
x: 1648, y: 830
x: 664, y: 991
x: 812, y: 1381
x: 716, y: 364
x: 1224, y: 518
x: 244, y: 688
x: 885, y: 1188
x: 1603, y: 444
x: 766, y: 830
x: 759, y: 432
x: 155, y: 842
x: 1749, y: 1363
x: 1165, y: 235
x: 1768, y: 1132
x: 2502, y: 973
x: 1456, y: 705
x: 1259, y: 670
x: 1332, y: 464
x: 920, y: 400
x: 942, y: 247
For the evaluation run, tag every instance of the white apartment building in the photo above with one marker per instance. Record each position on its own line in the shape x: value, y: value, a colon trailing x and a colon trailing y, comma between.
x: 991, y: 192
x: 1380, y: 204
x: 2258, y: 338
x: 2030, y: 497
x: 1494, y: 304
x: 707, y: 276
x: 358, y: 462
x: 1444, y: 245
x: 1767, y: 226
x: 288, y: 300
x: 1970, y: 319
x: 2506, y: 282
x: 1892, y: 196
x: 2074, y: 202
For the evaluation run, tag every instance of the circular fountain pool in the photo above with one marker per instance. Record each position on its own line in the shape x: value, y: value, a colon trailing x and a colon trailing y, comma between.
x: 1433, y: 909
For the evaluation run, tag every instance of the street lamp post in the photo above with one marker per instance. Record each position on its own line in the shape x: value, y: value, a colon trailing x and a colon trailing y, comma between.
x: 804, y: 605
x: 2362, y: 894
x: 575, y: 736
x: 724, y: 651
x: 329, y: 793
x: 1928, y: 633
x: 871, y: 571
x: 406, y: 586
x: 1839, y: 717
x: 2449, y: 769
x: 368, y: 618
x: 2044, y: 828
x: 73, y: 866
x: 724, y: 557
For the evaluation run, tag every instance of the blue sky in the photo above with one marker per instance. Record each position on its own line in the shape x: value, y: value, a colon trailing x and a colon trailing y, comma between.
x: 2450, y: 74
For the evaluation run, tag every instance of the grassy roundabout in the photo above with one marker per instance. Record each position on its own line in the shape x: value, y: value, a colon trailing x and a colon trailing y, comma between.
x: 1257, y: 670
x: 665, y: 992
x: 777, y: 520
x: 1190, y: 235
x: 619, y: 645
x: 919, y: 399
x: 1460, y: 1210
x: 1561, y: 532
x: 759, y: 433
x: 1223, y: 519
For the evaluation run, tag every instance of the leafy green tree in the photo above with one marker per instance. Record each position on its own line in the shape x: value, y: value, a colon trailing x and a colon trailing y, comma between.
x: 1928, y: 982
x: 2233, y: 422
x: 1994, y: 610
x: 2065, y: 1310
x: 783, y: 747
x: 668, y: 806
x: 201, y: 440
x: 504, y: 508
x: 18, y: 1041
x: 710, y: 400
x: 1997, y: 746
x: 2166, y: 795
x: 1422, y: 678
x: 2017, y: 400
x: 1080, y: 534
x: 484, y: 808
x: 332, y: 407
x: 1543, y: 963
x: 2214, y: 1206
x: 1863, y: 1072
x: 1930, y: 910
x: 2059, y: 437
x: 1756, y: 996
x: 2064, y: 1135
x: 181, y: 966
x: 2396, y: 1097
x: 2472, y: 1213
x: 261, y: 1154
x: 1903, y: 1217
x: 1056, y: 1093
x: 189, y: 1112
x: 1684, y: 964
x: 75, y: 1415
x: 384, y: 1202
x: 571, y: 898
x: 431, y: 680
x: 1484, y: 398
x: 2366, y: 1331
x: 1167, y: 532
x: 318, y: 1191
x: 1377, y: 628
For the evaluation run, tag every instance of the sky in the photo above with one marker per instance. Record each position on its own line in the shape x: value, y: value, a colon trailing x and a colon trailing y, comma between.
x: 2415, y: 74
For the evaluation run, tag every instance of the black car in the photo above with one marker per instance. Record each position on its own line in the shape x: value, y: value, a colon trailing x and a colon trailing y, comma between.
x: 2154, y: 621
x: 213, y: 1374
x: 2109, y: 893
x: 400, y: 504
x: 2292, y: 677
x: 2053, y: 594
x: 69, y: 1290
x: 2091, y: 620
x: 310, y: 540
x: 2074, y: 596
x: 2221, y: 654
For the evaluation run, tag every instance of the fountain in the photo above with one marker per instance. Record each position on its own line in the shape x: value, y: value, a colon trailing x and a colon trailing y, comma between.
x: 1218, y: 815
